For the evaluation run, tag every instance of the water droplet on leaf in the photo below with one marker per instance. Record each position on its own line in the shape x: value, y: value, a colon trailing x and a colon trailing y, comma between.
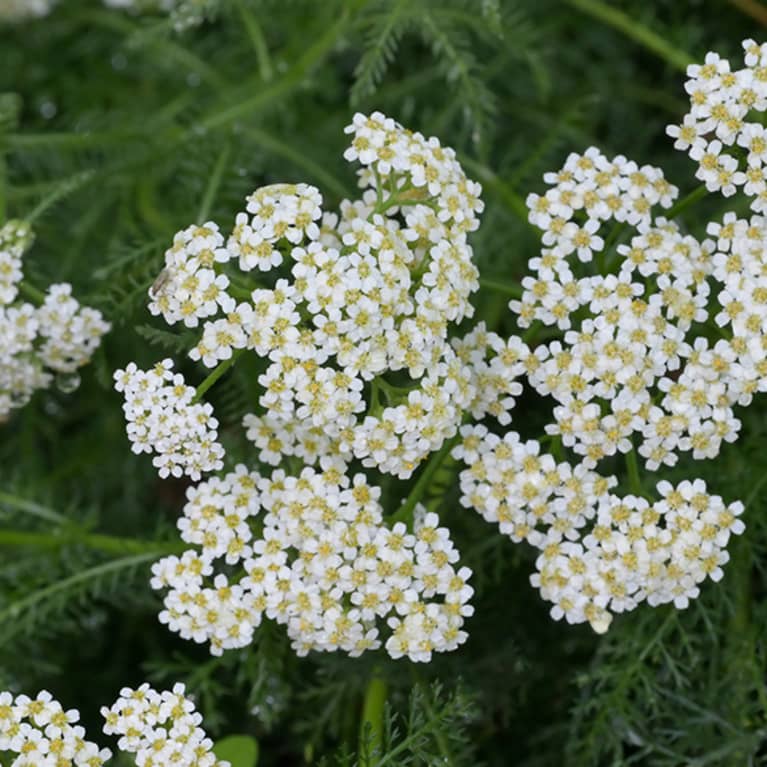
x: 67, y: 382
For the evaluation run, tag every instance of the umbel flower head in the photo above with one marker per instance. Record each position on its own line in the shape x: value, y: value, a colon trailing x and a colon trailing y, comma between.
x: 600, y: 553
x: 39, y: 341
x: 324, y: 564
x: 352, y: 314
x: 722, y: 131
x: 160, y: 728
x: 157, y: 728
x: 355, y: 317
x: 624, y: 373
x: 43, y: 734
x: 352, y: 311
x: 164, y: 418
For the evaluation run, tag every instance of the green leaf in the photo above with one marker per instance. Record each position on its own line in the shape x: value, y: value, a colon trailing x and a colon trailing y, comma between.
x: 239, y: 750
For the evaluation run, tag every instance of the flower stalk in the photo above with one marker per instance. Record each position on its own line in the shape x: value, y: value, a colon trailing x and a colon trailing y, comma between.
x: 372, y: 722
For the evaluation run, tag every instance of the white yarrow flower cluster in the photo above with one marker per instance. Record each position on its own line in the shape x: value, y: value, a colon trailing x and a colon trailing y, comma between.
x: 160, y: 728
x: 39, y: 344
x: 729, y: 149
x: 600, y: 554
x: 42, y: 734
x: 636, y: 551
x: 352, y: 311
x: 624, y: 376
x: 587, y: 193
x: 156, y: 728
x: 353, y: 315
x: 624, y: 369
x: 323, y: 563
x: 188, y: 289
x: 164, y: 418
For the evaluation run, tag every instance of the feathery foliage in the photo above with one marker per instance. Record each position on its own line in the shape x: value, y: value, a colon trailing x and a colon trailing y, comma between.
x: 115, y: 132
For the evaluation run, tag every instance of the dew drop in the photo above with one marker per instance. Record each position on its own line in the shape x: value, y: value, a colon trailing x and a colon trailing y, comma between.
x: 67, y: 382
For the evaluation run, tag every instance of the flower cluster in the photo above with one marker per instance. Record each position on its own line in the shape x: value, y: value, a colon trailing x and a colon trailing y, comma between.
x: 588, y: 192
x: 323, y: 563
x: 740, y: 367
x: 163, y: 417
x: 600, y: 554
x: 43, y: 734
x: 730, y: 149
x: 625, y: 368
x: 354, y: 315
x: 160, y: 728
x: 626, y: 378
x: 637, y: 551
x: 39, y: 342
x: 188, y: 289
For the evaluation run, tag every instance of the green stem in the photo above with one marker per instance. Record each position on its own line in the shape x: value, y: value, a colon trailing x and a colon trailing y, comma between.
x: 107, y: 543
x: 218, y: 371
x: 405, y: 512
x: 632, y: 466
x: 753, y: 8
x: 372, y: 723
x: 213, y: 185
x: 375, y: 397
x: 238, y: 291
x: 687, y: 201
x: 293, y: 77
x: 31, y: 292
x: 30, y: 507
x: 530, y: 333
x: 513, y: 289
x: 635, y: 31
x: 555, y: 447
x: 615, y: 233
x: 257, y: 39
x: 61, y: 190
x: 391, y: 391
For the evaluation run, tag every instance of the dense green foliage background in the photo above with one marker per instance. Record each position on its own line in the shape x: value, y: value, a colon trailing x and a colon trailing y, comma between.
x: 118, y: 132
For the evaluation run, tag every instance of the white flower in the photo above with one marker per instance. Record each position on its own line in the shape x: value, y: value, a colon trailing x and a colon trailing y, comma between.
x: 39, y: 344
x: 325, y: 565
x: 163, y: 418
x: 39, y: 730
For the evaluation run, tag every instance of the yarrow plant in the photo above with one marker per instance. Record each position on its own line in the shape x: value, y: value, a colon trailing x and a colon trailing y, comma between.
x: 45, y: 340
x: 623, y: 371
x: 156, y: 728
x: 357, y: 329
x: 354, y: 331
